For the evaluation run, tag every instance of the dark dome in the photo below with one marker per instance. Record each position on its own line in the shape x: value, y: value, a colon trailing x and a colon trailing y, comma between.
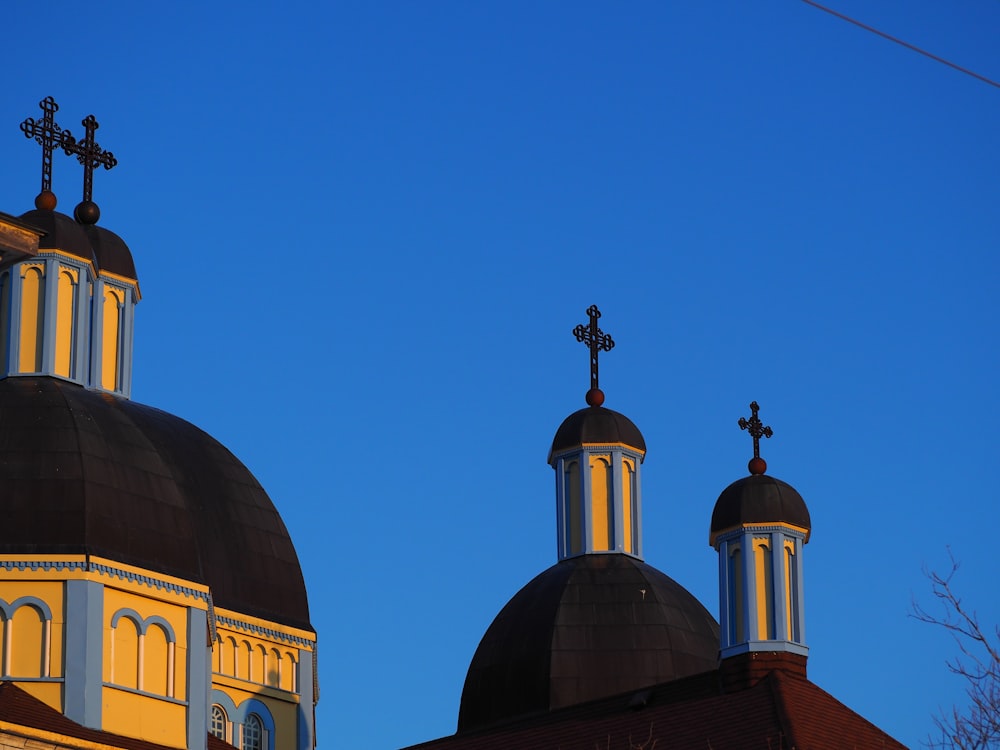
x: 111, y: 252
x: 86, y: 472
x: 759, y: 499
x: 61, y: 233
x: 595, y: 424
x: 586, y: 628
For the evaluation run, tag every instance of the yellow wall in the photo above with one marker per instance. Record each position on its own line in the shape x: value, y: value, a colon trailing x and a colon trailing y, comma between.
x: 765, y: 589
x: 66, y: 306
x: 27, y: 658
x: 113, y: 301
x: 628, y: 489
x: 125, y: 649
x: 144, y: 717
x: 601, y: 505
x: 250, y: 659
x: 32, y: 317
x: 283, y: 709
x: 789, y: 562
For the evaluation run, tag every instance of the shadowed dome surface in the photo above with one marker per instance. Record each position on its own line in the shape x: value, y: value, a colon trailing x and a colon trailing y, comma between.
x: 85, y: 472
x: 595, y: 424
x: 61, y: 233
x: 111, y: 251
x: 586, y: 628
x: 759, y: 499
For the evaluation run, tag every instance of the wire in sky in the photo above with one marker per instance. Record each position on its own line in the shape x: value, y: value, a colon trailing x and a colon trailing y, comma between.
x: 882, y: 34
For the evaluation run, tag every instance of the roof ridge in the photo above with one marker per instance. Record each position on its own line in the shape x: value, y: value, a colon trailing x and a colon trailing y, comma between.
x: 774, y: 680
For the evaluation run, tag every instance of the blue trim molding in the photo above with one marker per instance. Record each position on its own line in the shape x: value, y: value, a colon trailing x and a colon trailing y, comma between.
x: 199, y: 678
x: 84, y: 649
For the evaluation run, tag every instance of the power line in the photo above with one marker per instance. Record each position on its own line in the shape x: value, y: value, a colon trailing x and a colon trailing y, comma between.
x: 909, y: 46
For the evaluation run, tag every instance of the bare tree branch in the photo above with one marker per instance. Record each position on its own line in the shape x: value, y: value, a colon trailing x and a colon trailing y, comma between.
x: 977, y: 726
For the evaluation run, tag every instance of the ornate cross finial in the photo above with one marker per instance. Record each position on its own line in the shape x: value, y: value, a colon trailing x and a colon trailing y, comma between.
x: 597, y: 341
x: 90, y: 155
x: 51, y: 137
x: 757, y: 430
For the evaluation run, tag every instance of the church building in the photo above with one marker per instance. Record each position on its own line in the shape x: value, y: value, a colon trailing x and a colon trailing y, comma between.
x: 602, y: 650
x: 150, y: 595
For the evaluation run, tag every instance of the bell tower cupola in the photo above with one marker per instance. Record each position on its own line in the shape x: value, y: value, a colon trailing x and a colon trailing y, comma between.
x: 67, y: 309
x: 597, y: 454
x: 759, y: 528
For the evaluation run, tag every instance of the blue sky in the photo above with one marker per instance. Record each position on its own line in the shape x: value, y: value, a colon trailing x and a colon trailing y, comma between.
x: 364, y: 232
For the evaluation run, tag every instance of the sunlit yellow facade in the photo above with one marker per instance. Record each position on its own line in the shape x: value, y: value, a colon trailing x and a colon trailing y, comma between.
x: 117, y: 647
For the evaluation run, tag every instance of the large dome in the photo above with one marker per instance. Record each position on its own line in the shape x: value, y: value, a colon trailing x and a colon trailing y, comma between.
x: 588, y: 627
x: 86, y: 472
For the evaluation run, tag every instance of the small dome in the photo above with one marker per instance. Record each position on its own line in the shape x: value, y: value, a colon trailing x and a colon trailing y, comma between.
x: 588, y: 627
x: 759, y: 499
x: 85, y: 472
x: 111, y: 252
x: 61, y: 233
x: 595, y: 424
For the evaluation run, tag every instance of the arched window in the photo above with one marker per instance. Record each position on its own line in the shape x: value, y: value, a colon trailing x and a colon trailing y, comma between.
x: 32, y: 317
x: 219, y: 722
x: 4, y: 320
x: 114, y: 301
x: 765, y: 589
x: 573, y: 511
x: 124, y: 661
x: 253, y: 733
x: 630, y: 510
x: 274, y: 668
x: 735, y: 595
x: 602, y: 507
x: 66, y: 323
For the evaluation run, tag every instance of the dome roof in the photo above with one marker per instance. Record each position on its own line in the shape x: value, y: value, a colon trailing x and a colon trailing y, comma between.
x: 586, y: 628
x: 87, y: 241
x: 111, y: 252
x: 759, y: 499
x: 86, y: 472
x: 595, y: 424
x: 61, y: 233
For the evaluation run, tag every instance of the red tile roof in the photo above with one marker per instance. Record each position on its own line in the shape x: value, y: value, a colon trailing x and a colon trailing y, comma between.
x: 20, y: 708
x: 780, y: 712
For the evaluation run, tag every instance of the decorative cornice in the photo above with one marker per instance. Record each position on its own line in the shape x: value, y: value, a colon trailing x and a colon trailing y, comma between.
x: 147, y: 580
x: 599, y: 448
x: 736, y: 532
x: 276, y: 635
x: 44, y: 565
x: 87, y: 566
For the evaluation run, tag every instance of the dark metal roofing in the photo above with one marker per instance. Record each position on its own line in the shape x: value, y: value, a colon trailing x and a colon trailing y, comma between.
x: 61, y: 233
x: 85, y: 472
x: 588, y: 627
x: 111, y: 251
x: 595, y: 424
x: 759, y: 499
x: 782, y: 711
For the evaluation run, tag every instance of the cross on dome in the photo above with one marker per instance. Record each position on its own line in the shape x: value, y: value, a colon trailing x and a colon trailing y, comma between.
x: 50, y: 137
x: 597, y: 341
x: 757, y: 430
x: 90, y: 155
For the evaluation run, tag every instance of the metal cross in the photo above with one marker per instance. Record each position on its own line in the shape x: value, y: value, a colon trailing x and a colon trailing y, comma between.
x: 756, y: 428
x: 90, y: 155
x: 49, y: 135
x: 595, y: 339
